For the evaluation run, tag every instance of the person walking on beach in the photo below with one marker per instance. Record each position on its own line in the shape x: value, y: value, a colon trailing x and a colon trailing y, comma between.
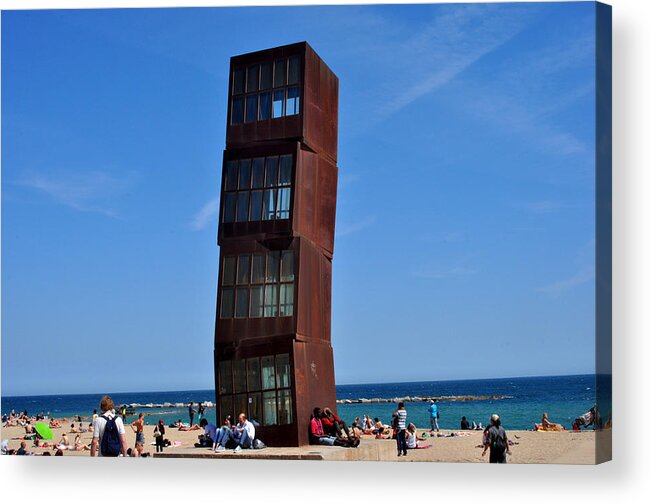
x: 433, y: 416
x: 497, y: 441
x: 201, y: 411
x: 159, y: 436
x: 191, y: 412
x: 139, y: 428
x: 400, y: 425
x: 108, y: 432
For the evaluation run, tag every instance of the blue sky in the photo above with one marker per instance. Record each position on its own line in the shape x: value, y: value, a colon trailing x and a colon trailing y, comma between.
x: 465, y: 215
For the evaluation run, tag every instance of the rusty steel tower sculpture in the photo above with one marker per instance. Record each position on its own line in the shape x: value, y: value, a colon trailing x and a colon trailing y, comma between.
x: 273, y: 357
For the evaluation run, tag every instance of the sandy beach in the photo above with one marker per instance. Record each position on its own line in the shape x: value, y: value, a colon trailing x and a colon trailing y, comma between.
x: 529, y: 447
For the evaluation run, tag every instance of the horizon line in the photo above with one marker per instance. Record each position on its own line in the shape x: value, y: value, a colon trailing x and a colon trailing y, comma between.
x: 336, y: 385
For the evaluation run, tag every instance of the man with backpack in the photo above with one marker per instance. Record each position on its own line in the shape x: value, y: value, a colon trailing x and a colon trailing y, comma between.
x: 108, y: 432
x: 497, y: 441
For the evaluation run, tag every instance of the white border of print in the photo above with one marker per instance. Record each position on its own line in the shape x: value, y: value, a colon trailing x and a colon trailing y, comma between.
x: 622, y: 480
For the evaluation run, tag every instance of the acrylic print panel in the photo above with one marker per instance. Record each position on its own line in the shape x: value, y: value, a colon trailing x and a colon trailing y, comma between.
x: 370, y: 233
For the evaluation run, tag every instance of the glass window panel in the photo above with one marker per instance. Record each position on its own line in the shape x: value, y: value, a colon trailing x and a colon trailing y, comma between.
x: 231, y: 176
x: 245, y: 174
x: 280, y: 70
x: 258, y: 173
x: 265, y: 75
x: 278, y: 103
x: 240, y: 403
x: 226, y: 406
x: 271, y: 301
x: 237, y: 110
x: 284, y: 407
x: 273, y: 266
x: 242, y: 206
x: 255, y: 407
x: 269, y: 416
x: 251, y: 108
x: 285, y: 170
x: 252, y: 78
x: 256, y: 301
x: 269, y: 204
x: 238, y: 81
x: 292, y: 101
x: 258, y: 269
x: 284, y: 195
x: 265, y: 106
x: 268, y: 372
x: 294, y: 70
x: 271, y: 174
x: 225, y: 378
x: 229, y: 207
x: 287, y: 270
x: 282, y: 370
x: 227, y: 303
x: 256, y: 206
x: 242, y: 302
x: 239, y: 376
x: 286, y: 300
x: 253, y: 370
x: 228, y: 273
x: 243, y: 269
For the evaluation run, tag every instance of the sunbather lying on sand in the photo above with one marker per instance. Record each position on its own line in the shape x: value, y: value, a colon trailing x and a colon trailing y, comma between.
x: 548, y: 426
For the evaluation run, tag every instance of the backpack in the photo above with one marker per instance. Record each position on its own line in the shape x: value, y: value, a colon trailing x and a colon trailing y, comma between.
x: 111, y: 445
x: 499, y: 442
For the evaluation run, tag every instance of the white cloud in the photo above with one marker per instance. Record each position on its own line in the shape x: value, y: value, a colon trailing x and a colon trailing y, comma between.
x: 207, y: 213
x: 85, y: 192
x: 347, y: 228
x: 579, y: 278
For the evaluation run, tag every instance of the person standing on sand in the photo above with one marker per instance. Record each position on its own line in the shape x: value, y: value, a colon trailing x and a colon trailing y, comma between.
x: 433, y: 416
x: 139, y: 428
x: 108, y: 417
x: 400, y: 425
x: 191, y: 412
x: 159, y: 436
x: 200, y: 412
x: 497, y: 441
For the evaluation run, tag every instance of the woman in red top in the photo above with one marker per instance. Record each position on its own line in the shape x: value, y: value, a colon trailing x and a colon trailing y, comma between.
x: 333, y: 425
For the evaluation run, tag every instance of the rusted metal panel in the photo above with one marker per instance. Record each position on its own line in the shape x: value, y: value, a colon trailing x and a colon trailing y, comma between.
x: 311, y: 137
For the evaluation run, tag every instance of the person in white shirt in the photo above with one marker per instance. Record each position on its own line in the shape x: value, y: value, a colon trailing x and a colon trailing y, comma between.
x: 241, y: 436
x: 108, y: 412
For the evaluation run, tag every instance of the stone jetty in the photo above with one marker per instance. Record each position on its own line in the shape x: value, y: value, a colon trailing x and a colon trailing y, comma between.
x: 364, y: 400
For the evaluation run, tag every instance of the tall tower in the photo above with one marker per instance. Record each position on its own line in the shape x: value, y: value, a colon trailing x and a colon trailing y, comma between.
x: 273, y: 358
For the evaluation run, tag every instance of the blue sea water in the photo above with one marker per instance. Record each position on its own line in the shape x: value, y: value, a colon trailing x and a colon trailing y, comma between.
x: 562, y: 397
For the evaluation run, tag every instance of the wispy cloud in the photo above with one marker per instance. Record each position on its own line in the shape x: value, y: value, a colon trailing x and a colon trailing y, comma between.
x: 86, y: 192
x: 207, y: 213
x: 454, y: 40
x: 585, y: 258
x: 579, y: 278
x: 348, y: 228
x: 437, y: 274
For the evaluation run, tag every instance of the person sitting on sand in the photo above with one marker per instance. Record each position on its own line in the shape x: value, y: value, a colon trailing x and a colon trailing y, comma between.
x: 319, y: 437
x: 23, y: 449
x: 241, y: 436
x: 73, y: 429
x: 465, y: 425
x: 30, y: 432
x: 209, y: 437
x: 78, y: 446
x: 54, y: 423
x: 64, y: 444
x: 412, y: 439
x: 355, y: 430
x: 333, y: 425
x: 547, y: 426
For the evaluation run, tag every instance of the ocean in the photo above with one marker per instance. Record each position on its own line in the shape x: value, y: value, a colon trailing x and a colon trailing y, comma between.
x: 563, y: 397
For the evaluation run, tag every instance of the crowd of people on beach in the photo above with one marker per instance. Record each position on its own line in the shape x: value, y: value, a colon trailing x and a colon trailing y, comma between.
x: 325, y: 428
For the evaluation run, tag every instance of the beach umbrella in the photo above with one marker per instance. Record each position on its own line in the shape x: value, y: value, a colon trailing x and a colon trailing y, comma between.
x: 44, y: 431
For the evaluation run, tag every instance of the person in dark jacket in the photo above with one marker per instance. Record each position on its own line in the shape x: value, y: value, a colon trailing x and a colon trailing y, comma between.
x: 159, y: 436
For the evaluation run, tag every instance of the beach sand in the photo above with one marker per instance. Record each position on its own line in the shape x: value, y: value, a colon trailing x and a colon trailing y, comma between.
x: 531, y: 448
